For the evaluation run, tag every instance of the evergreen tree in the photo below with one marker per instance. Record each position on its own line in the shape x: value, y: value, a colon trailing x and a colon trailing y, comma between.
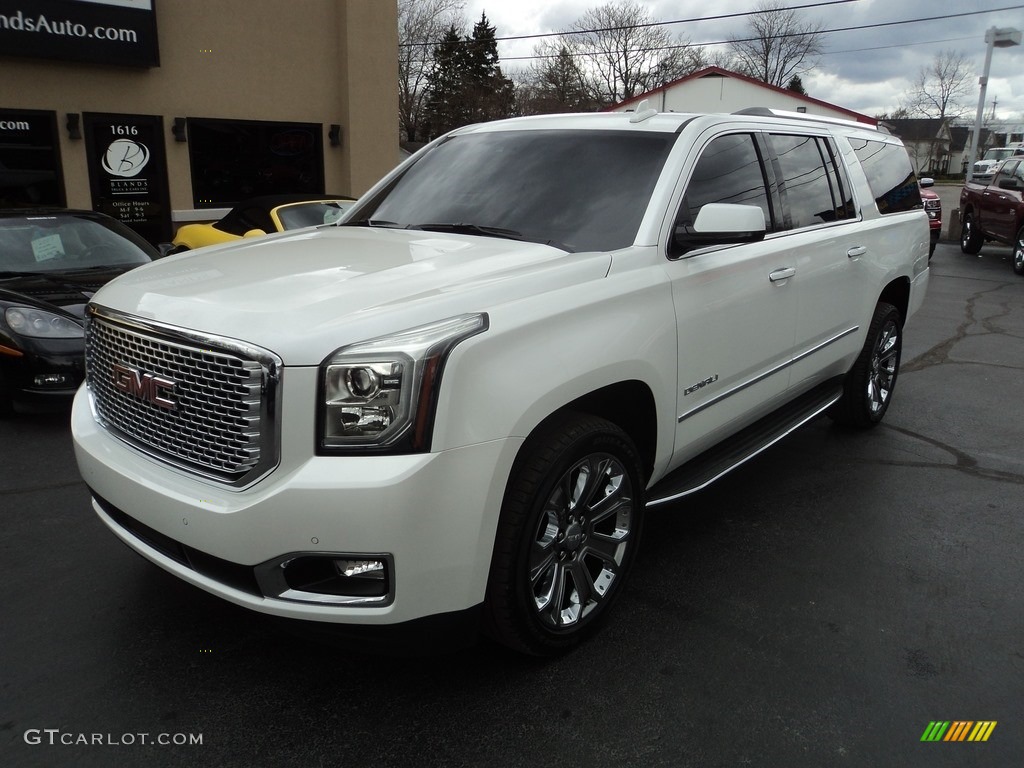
x: 796, y: 85
x: 445, y: 85
x: 466, y: 84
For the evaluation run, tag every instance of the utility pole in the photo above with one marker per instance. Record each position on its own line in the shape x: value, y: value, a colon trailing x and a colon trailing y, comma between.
x: 995, y: 37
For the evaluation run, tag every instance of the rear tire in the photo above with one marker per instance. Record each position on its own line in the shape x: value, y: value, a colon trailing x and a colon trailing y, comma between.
x: 568, y: 533
x: 869, y: 385
x: 970, y: 236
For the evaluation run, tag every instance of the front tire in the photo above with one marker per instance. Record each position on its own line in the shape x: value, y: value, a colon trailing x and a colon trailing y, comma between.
x: 6, y: 401
x: 1018, y: 252
x: 869, y: 385
x: 569, y: 530
x: 970, y: 236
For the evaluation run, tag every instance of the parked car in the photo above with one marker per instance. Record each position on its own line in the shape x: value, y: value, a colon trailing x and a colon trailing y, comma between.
x: 995, y: 211
x: 451, y: 410
x: 933, y: 207
x: 51, y: 264
x: 262, y: 215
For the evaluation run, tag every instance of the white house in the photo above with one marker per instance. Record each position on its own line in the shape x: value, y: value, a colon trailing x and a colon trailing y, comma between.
x: 718, y: 90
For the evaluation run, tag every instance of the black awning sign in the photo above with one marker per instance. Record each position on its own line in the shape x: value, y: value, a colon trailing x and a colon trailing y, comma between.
x: 119, y: 32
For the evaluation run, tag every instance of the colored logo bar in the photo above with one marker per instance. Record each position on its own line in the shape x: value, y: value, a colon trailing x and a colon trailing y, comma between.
x: 958, y: 730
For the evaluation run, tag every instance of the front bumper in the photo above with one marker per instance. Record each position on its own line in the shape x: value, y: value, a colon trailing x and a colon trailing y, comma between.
x: 47, y: 370
x: 432, y: 517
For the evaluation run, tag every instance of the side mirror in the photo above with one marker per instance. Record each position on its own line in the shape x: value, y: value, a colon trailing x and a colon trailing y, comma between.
x: 165, y: 249
x: 1010, y: 183
x: 254, y: 233
x: 926, y: 182
x: 720, y: 224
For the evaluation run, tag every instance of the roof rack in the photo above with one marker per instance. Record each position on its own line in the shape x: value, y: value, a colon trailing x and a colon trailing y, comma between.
x: 769, y: 112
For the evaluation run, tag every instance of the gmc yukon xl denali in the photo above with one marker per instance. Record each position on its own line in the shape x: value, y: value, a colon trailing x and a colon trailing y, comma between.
x: 452, y: 409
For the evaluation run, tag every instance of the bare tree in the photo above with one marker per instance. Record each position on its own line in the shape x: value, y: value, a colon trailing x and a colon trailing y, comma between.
x: 625, y: 55
x: 421, y: 25
x: 555, y: 81
x: 778, y: 45
x: 941, y: 87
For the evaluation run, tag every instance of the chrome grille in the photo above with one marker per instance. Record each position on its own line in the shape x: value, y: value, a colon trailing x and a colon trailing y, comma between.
x: 209, y: 418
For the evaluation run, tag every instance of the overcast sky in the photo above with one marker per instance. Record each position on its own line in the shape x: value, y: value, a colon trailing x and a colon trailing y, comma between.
x: 867, y: 70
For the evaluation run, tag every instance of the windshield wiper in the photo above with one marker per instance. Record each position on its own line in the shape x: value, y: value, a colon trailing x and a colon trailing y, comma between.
x: 370, y: 223
x: 470, y: 229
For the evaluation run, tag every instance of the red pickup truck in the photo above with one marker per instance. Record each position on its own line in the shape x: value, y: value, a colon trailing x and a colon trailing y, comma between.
x: 995, y: 211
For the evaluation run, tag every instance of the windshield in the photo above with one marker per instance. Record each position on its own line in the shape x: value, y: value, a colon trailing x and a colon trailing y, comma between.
x: 300, y: 215
x: 577, y: 190
x: 1000, y: 153
x: 65, y: 242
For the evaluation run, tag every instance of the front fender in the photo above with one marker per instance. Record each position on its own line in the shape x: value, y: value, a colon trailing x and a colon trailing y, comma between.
x: 543, y: 353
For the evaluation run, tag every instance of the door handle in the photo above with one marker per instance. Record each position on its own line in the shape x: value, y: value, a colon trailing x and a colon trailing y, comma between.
x: 857, y: 250
x: 781, y: 274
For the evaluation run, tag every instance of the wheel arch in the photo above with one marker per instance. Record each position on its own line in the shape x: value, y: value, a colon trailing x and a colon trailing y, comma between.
x: 897, y: 293
x: 630, y: 406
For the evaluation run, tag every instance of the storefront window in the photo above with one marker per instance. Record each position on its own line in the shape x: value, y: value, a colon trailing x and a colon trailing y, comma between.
x: 233, y: 160
x: 30, y: 169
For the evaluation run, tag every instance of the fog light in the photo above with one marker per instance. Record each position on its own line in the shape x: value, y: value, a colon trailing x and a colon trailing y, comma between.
x: 371, y: 569
x: 335, y: 578
x: 53, y: 380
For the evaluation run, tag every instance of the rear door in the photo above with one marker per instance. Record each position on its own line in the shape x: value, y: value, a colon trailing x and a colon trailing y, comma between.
x: 832, y: 282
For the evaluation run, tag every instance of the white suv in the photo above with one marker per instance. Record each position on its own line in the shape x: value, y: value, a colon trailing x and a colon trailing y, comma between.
x: 454, y: 407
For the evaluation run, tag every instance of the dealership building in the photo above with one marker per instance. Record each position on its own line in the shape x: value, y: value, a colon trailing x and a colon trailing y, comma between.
x: 161, y: 112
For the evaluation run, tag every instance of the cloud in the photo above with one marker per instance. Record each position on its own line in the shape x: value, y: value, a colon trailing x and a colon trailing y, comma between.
x: 865, y: 70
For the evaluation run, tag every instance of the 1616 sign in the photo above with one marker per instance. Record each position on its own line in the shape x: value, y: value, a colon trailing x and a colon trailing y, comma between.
x: 128, y: 171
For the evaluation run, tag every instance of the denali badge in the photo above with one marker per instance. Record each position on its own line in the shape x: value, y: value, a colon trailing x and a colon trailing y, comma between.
x: 145, y: 386
x: 700, y: 385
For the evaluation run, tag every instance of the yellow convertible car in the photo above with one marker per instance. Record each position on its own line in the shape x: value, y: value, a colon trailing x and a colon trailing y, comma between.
x: 260, y: 216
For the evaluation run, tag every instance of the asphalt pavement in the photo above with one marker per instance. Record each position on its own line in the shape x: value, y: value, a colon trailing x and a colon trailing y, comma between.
x: 821, y: 606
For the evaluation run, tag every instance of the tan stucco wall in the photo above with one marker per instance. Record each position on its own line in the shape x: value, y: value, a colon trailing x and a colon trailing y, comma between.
x: 319, y: 61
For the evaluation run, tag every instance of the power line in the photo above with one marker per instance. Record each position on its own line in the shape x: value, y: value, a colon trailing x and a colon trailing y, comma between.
x: 877, y: 25
x: 900, y: 45
x: 649, y: 24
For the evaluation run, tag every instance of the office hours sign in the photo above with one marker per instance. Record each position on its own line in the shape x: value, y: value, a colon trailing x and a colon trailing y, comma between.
x: 128, y: 171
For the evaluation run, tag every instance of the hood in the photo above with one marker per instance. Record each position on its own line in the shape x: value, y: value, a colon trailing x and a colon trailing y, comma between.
x: 59, y: 291
x: 302, y: 295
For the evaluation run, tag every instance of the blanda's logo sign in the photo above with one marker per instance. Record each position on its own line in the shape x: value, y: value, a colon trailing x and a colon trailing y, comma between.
x: 125, y: 158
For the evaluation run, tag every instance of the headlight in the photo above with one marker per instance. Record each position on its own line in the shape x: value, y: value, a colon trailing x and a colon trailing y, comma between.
x: 382, y: 392
x: 37, y: 324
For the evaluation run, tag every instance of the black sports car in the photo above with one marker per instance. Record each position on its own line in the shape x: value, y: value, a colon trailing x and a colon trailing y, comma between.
x: 51, y: 263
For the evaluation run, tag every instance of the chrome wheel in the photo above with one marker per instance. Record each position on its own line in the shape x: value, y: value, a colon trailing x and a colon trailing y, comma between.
x: 581, y: 539
x: 869, y: 385
x: 884, y: 362
x: 1018, y: 253
x: 568, y: 532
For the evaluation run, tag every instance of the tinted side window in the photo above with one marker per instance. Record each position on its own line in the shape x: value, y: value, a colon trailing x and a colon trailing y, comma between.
x: 728, y: 171
x: 809, y: 192
x: 890, y: 175
x: 1006, y: 171
x: 842, y: 192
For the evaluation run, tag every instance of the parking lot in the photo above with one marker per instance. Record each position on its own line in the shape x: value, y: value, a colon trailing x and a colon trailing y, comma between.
x: 820, y: 606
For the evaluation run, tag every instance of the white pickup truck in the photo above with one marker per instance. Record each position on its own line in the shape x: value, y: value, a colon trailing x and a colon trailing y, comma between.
x: 452, y: 409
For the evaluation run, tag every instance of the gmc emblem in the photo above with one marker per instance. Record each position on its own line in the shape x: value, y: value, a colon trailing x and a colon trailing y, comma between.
x: 145, y: 386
